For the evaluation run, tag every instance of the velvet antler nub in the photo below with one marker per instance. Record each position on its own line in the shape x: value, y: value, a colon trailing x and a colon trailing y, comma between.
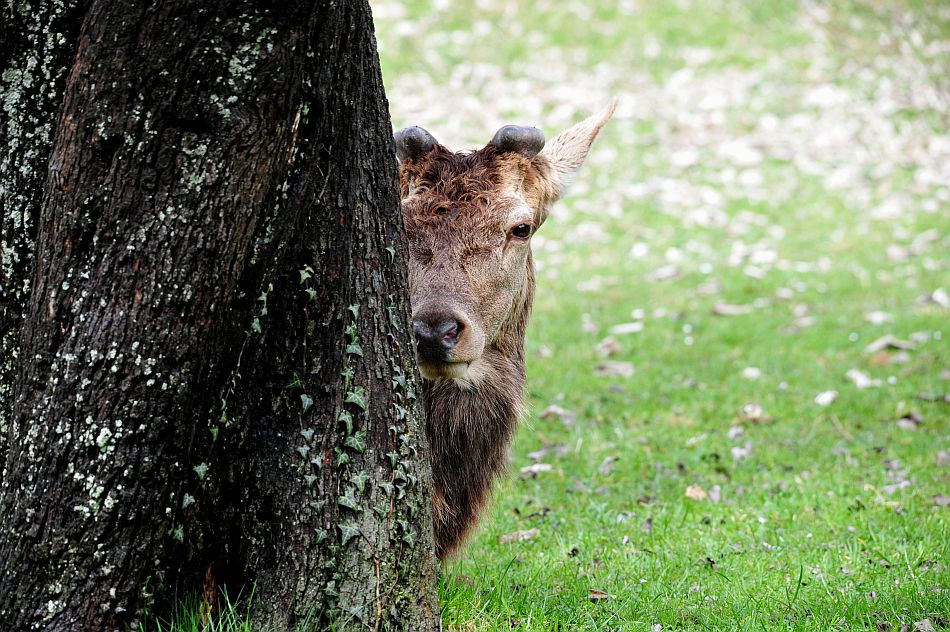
x: 412, y: 142
x: 527, y: 141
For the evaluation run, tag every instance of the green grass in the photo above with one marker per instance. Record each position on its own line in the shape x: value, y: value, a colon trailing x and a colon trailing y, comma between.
x: 829, y: 521
x: 806, y: 534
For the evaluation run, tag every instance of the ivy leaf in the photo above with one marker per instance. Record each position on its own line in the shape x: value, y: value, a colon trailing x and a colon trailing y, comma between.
x: 347, y: 419
x: 357, y: 396
x: 359, y: 480
x: 306, y: 401
x: 348, y: 500
x: 201, y: 469
x: 400, y: 381
x: 356, y: 441
x: 354, y: 349
x: 305, y: 274
x: 348, y: 531
x: 342, y: 458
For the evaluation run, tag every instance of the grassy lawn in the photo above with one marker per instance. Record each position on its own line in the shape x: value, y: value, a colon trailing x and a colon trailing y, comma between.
x: 771, y: 198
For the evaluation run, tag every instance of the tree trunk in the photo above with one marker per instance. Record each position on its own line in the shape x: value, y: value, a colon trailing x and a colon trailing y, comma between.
x: 214, y: 364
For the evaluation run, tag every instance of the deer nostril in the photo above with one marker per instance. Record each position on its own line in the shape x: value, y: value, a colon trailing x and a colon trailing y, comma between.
x: 451, y: 334
x: 436, y: 336
x: 448, y: 332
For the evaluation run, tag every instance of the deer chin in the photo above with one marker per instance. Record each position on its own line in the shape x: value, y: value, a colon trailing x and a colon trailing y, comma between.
x: 450, y: 370
x: 466, y: 375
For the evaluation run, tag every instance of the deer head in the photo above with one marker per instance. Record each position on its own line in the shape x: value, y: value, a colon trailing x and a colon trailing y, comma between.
x: 470, y: 217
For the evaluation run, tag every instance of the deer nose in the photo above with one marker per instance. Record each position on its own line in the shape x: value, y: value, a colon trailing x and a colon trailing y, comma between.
x: 436, y: 335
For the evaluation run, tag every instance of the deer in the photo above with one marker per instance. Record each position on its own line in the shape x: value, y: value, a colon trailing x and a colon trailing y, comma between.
x: 469, y: 218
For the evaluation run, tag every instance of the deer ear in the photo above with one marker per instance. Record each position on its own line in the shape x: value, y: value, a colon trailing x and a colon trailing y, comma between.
x: 563, y: 157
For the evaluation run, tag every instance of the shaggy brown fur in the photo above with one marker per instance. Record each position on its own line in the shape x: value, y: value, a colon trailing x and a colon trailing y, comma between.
x: 468, y: 262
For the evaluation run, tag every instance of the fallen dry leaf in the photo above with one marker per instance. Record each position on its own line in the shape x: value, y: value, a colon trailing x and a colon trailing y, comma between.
x: 558, y: 449
x: 752, y: 373
x: 861, y: 379
x: 878, y: 317
x: 608, y: 347
x: 825, y: 398
x: 889, y: 341
x: 895, y: 487
x: 884, y: 358
x: 919, y: 337
x: 518, y: 536
x: 696, y: 492
x: 909, y: 421
x: 664, y: 273
x: 607, y: 466
x: 725, y: 309
x: 741, y: 452
x: 534, y: 469
x: 588, y: 325
x: 924, y: 626
x: 627, y: 328
x: 754, y: 413
x: 597, y: 595
x: 612, y: 367
x: 937, y: 297
x: 567, y: 417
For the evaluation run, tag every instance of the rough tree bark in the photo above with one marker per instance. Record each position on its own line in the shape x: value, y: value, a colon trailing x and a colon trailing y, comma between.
x: 213, y: 366
x: 35, y: 53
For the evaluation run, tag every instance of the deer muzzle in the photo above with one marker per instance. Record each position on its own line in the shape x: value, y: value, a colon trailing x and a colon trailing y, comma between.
x: 447, y: 342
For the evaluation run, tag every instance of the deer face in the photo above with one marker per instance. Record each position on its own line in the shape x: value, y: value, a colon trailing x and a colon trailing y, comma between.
x: 470, y: 218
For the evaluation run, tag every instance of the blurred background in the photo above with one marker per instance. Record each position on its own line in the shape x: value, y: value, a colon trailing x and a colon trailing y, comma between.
x: 739, y: 363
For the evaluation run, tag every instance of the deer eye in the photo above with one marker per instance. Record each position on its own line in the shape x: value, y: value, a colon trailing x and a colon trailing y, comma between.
x: 522, y: 231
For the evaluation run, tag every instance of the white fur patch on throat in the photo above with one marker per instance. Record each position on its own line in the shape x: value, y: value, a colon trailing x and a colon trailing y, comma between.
x: 478, y: 371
